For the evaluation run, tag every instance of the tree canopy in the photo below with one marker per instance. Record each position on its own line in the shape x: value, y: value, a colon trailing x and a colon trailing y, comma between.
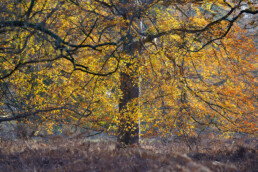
x: 191, y: 61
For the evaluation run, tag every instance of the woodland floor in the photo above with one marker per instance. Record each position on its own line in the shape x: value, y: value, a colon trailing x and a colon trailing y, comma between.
x: 60, y: 154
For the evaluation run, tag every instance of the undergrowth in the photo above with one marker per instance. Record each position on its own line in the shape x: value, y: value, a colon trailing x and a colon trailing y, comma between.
x: 62, y: 154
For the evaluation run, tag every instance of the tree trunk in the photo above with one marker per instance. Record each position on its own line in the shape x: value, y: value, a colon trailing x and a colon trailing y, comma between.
x: 129, y: 127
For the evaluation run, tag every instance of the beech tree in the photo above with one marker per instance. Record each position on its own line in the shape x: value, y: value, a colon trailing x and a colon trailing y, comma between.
x: 181, y: 66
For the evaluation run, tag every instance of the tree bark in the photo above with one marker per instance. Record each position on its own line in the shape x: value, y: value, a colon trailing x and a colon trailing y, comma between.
x: 129, y: 127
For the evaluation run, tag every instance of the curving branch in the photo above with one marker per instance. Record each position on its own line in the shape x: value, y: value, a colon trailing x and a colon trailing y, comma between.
x: 27, y: 114
x: 59, y: 40
x: 150, y: 38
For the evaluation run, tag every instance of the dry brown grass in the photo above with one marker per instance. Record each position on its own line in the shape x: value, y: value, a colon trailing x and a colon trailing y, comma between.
x: 61, y: 154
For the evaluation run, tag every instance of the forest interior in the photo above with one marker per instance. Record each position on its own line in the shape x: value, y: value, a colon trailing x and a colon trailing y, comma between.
x: 128, y: 85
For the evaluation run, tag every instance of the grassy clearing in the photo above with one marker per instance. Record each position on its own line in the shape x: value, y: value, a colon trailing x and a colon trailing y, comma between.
x: 62, y: 154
